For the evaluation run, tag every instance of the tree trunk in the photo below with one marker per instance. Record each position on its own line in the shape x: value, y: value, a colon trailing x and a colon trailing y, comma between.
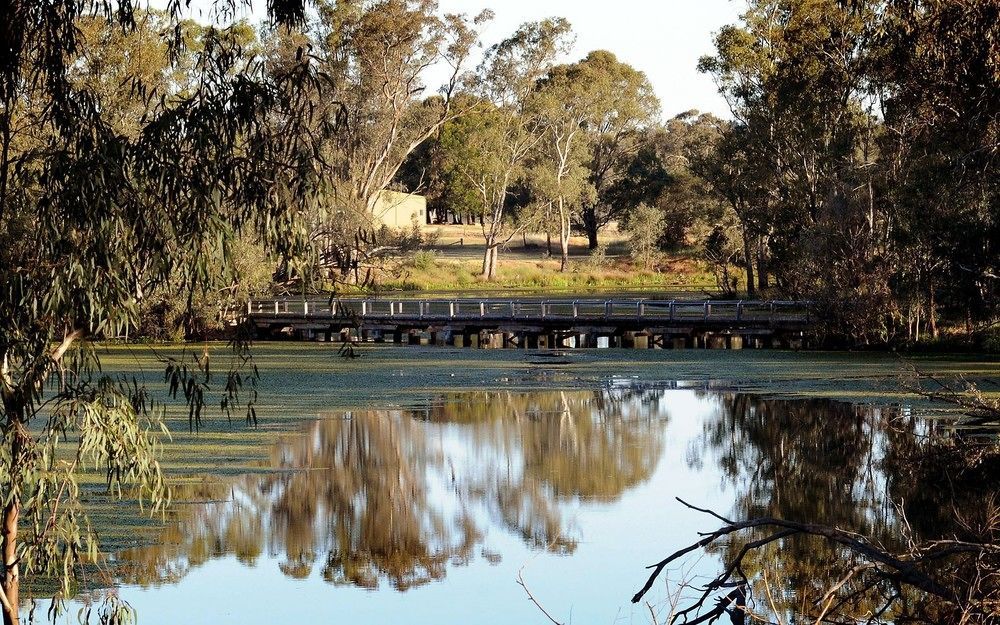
x: 487, y: 256
x: 564, y: 232
x: 932, y: 313
x: 762, y: 280
x: 494, y: 260
x: 590, y: 225
x: 749, y: 261
x: 10, y: 586
x: 490, y: 259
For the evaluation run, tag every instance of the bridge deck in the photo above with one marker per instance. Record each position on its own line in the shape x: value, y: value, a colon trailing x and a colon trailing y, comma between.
x: 552, y: 314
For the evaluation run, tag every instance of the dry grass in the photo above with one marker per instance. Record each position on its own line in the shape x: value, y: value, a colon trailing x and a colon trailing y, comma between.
x: 544, y: 275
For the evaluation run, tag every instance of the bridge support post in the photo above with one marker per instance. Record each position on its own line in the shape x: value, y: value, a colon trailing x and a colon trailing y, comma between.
x: 640, y: 341
x: 458, y: 339
x: 715, y: 341
x: 736, y: 342
x: 474, y: 340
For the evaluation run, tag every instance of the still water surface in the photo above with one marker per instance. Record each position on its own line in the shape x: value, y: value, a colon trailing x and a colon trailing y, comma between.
x: 430, y: 514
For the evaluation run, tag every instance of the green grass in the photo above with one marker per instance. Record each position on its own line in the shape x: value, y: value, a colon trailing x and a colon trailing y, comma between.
x: 439, y: 275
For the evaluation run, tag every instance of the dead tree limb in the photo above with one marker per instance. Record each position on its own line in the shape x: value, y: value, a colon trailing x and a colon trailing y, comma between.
x: 903, y: 570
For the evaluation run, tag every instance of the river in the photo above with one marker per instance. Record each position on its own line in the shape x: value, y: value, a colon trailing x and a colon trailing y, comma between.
x: 446, y: 486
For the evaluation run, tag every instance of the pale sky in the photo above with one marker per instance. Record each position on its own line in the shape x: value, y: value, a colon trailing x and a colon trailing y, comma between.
x: 663, y: 38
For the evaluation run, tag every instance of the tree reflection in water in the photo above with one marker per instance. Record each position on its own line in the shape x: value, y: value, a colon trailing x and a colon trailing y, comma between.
x: 813, y: 461
x: 836, y: 465
x: 396, y: 495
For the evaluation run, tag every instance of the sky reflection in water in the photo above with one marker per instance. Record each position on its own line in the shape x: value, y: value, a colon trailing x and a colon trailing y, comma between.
x: 427, y: 516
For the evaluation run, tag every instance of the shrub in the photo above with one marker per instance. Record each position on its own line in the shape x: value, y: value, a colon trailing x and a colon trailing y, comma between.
x: 424, y: 260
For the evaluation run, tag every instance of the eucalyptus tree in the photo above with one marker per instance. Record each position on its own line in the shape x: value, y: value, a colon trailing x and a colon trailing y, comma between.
x: 96, y: 213
x: 741, y: 181
x: 490, y: 148
x: 630, y: 108
x: 794, y: 76
x: 665, y: 172
x: 594, y: 114
x: 567, y: 102
x: 938, y: 66
x: 377, y: 54
x: 646, y: 227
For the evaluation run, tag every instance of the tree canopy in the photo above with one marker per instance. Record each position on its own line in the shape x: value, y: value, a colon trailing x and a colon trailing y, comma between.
x: 115, y: 179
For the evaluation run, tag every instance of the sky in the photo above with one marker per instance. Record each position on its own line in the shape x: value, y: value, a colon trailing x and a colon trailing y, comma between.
x: 663, y: 38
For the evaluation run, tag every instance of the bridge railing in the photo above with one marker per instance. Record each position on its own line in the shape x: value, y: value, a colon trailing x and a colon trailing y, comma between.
x: 673, y: 311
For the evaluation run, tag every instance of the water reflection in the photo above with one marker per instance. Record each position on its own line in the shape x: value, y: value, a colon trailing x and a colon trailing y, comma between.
x: 812, y: 461
x: 397, y: 496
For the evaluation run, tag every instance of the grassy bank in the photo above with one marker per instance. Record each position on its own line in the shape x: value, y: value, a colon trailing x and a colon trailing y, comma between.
x: 451, y: 261
x: 428, y: 273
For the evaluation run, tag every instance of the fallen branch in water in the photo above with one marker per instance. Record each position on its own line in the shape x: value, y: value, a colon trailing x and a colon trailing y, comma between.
x: 909, y: 569
x: 900, y: 570
x: 978, y: 408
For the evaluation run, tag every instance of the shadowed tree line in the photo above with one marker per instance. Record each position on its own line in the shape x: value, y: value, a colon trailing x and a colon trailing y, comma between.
x: 861, y: 161
x: 858, y: 169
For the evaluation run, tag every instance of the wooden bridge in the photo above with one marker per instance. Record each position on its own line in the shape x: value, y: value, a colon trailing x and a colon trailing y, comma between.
x: 537, y: 323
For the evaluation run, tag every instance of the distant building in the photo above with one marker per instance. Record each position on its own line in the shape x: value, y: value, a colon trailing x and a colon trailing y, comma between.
x: 400, y: 210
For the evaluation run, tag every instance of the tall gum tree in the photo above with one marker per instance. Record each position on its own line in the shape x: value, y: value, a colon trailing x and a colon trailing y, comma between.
x: 490, y: 151
x: 567, y: 101
x: 377, y: 54
x: 100, y: 205
x: 628, y: 108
